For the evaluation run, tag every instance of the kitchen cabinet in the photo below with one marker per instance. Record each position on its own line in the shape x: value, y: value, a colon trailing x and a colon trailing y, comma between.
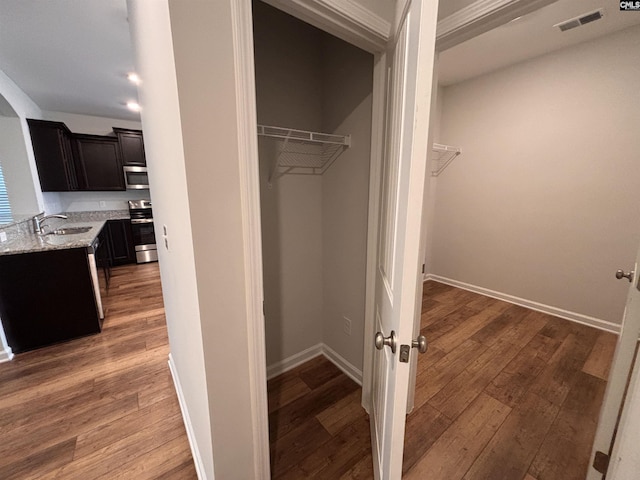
x: 98, y: 162
x: 53, y: 153
x: 80, y: 162
x: 120, y: 240
x: 131, y: 146
x: 46, y: 298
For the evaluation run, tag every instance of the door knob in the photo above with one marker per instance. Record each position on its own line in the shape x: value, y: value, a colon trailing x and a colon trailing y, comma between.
x: 420, y: 343
x: 620, y: 274
x: 390, y: 341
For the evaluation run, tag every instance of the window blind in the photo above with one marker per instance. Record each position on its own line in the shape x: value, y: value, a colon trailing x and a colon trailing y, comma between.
x: 5, y: 206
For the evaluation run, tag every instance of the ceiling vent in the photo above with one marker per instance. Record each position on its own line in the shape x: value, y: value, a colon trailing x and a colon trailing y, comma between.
x: 581, y: 20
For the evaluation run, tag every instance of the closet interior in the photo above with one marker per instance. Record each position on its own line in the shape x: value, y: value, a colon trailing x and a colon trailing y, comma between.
x: 314, y: 100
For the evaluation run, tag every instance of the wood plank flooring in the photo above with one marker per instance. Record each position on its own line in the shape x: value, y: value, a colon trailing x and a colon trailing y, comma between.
x: 503, y: 393
x: 317, y: 427
x: 99, y: 407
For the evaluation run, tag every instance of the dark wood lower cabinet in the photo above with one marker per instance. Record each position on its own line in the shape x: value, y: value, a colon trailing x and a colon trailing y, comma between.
x: 46, y: 298
x: 121, y: 248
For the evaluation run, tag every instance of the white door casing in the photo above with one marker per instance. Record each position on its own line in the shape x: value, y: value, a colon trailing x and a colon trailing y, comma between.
x: 398, y: 263
x: 429, y: 190
x: 619, y: 374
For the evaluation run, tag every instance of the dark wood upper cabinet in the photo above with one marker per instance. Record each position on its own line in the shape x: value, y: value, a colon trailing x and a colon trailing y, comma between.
x: 98, y: 162
x: 131, y: 146
x: 53, y: 153
x: 67, y: 161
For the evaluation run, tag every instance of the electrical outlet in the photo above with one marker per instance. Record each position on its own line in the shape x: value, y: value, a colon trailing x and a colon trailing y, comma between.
x: 103, y: 204
x: 346, y: 326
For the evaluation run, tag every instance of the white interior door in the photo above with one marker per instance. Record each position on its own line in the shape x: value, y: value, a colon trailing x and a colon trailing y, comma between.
x: 625, y: 461
x: 622, y: 362
x: 398, y: 274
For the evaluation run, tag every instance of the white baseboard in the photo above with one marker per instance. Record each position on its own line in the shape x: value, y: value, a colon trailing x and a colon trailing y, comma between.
x: 195, y: 452
x: 540, y: 307
x: 6, y: 355
x: 293, y: 361
x: 320, y: 349
x: 348, y: 369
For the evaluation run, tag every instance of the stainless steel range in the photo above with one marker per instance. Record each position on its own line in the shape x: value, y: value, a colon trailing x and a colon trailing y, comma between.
x: 144, y: 238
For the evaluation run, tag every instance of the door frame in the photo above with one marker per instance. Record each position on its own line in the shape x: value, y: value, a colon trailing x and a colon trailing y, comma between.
x: 357, y: 25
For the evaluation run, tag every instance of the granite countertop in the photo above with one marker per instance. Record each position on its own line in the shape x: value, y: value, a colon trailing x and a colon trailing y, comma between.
x: 40, y: 243
x: 22, y: 240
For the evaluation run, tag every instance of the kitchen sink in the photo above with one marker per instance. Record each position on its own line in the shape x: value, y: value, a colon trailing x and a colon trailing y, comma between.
x: 70, y: 230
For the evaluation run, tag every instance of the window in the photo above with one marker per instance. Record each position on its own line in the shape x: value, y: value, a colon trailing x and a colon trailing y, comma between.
x: 5, y: 207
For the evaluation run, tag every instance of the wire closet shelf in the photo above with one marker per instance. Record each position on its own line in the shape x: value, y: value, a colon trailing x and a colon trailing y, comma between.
x: 443, y: 155
x: 303, y: 152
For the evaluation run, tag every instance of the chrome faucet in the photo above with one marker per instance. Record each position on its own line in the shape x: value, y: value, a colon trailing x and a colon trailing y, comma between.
x: 38, y: 220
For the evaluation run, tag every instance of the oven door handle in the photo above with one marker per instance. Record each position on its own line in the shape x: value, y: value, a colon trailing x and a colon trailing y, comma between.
x: 142, y: 220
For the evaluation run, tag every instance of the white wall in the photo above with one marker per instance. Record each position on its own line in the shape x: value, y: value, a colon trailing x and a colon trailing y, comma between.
x: 204, y: 46
x: 15, y: 168
x: 151, y: 34
x: 92, y: 201
x: 543, y: 202
x: 288, y: 62
x: 24, y: 108
x: 90, y: 124
x: 431, y: 182
x: 292, y: 248
x: 288, y: 65
x: 313, y: 227
x: 348, y: 87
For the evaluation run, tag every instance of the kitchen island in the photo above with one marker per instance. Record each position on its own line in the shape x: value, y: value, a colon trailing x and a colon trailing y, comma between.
x: 52, y: 285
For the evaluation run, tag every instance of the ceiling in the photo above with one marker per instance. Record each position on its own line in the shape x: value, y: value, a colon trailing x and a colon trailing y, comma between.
x: 528, y: 37
x: 73, y: 55
x: 70, y: 55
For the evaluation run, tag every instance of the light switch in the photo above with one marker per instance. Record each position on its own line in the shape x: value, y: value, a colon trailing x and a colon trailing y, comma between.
x: 165, y: 236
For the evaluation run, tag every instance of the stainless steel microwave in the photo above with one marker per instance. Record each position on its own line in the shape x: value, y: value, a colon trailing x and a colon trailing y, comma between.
x: 136, y: 178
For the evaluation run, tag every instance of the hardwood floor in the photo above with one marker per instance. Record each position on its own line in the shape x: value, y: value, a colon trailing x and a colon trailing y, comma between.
x: 317, y: 427
x: 503, y: 393
x: 102, y: 406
